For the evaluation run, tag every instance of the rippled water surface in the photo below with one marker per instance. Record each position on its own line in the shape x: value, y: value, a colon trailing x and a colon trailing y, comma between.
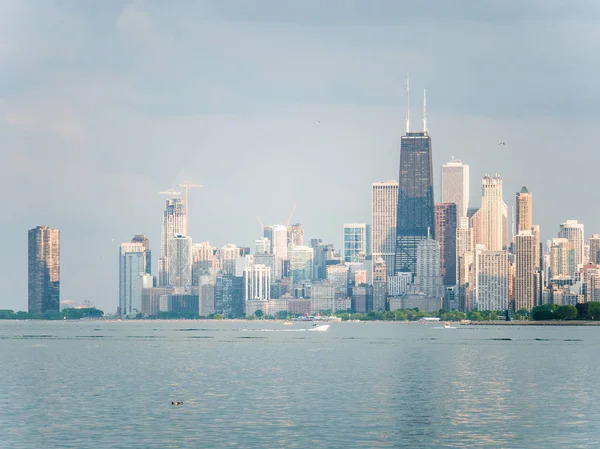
x: 265, y: 385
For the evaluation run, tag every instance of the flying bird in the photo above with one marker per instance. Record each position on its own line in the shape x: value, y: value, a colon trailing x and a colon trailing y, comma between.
x: 317, y: 122
x: 502, y: 143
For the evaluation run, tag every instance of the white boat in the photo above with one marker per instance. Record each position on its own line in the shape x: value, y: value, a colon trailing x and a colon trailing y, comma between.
x: 446, y: 325
x: 288, y: 323
x: 320, y: 327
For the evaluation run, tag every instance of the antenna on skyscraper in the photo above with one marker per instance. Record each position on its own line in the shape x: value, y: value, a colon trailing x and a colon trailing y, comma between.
x: 424, y: 112
x: 407, y: 106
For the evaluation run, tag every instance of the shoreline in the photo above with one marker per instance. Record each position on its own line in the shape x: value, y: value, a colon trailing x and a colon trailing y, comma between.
x: 534, y: 323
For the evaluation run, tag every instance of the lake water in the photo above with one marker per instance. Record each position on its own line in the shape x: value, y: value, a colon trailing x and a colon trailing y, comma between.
x: 266, y: 385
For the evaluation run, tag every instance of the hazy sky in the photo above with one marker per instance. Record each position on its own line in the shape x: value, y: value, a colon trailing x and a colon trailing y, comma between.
x: 105, y: 103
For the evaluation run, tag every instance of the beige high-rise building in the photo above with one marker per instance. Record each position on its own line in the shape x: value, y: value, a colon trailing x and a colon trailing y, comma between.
x: 227, y: 256
x: 594, y: 249
x: 203, y: 261
x: 455, y: 186
x: 524, y: 211
x: 384, y: 210
x: 526, y: 255
x: 43, y: 270
x: 490, y: 222
x: 464, y: 243
x: 573, y: 232
x: 279, y: 247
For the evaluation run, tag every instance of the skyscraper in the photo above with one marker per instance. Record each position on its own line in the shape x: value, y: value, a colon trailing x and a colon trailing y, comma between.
x: 428, y: 279
x: 203, y: 259
x: 595, y: 249
x: 356, y: 247
x: 173, y: 224
x: 445, y: 234
x: 132, y: 264
x: 524, y: 210
x: 257, y: 283
x: 227, y: 256
x: 141, y: 238
x: 384, y: 207
x: 279, y: 247
x: 180, y: 261
x: 489, y: 221
x: 526, y: 263
x: 573, y: 232
x: 455, y: 186
x: 301, y: 263
x: 415, y: 217
x: 561, y: 258
x: 491, y: 279
x: 296, y: 235
x: 464, y: 244
x: 43, y: 270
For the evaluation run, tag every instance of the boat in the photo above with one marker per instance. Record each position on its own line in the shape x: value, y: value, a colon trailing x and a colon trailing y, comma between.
x: 317, y: 317
x: 288, y: 323
x: 446, y: 325
x: 320, y: 327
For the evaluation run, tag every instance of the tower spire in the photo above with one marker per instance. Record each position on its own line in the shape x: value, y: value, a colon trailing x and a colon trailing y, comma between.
x: 424, y: 111
x: 407, y: 106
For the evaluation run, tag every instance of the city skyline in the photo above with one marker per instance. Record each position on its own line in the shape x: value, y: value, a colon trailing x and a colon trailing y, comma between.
x: 118, y: 139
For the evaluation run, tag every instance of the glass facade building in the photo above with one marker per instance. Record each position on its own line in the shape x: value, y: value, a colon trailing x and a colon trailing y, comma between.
x: 415, y: 219
x: 43, y: 270
x: 356, y: 242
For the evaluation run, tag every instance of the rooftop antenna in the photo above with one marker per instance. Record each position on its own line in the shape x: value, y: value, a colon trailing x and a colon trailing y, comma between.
x: 407, y: 106
x: 424, y: 112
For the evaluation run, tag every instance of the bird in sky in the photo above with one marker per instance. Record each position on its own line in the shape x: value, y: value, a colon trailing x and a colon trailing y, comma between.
x: 317, y: 122
x: 502, y: 143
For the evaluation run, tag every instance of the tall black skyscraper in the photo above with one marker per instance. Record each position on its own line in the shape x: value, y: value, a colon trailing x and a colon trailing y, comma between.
x: 415, y: 220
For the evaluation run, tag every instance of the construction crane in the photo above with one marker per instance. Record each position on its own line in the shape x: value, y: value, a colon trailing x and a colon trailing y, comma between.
x: 262, y: 226
x: 169, y: 192
x: 289, y: 220
x: 187, y: 209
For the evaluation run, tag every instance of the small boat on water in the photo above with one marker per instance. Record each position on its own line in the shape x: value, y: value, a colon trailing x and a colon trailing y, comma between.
x: 288, y: 323
x: 446, y: 325
x: 320, y: 327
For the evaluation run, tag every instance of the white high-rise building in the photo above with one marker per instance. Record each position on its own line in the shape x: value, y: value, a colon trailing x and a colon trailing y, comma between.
x: 131, y: 277
x: 491, y: 279
x: 525, y: 267
x: 180, y: 261
x: 455, y: 186
x: 257, y: 282
x: 356, y: 242
x: 279, y: 247
x: 173, y: 224
x: 262, y: 246
x: 384, y: 210
x: 573, y: 232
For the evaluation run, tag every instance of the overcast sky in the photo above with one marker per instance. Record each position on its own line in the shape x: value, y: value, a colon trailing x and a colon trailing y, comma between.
x: 105, y: 103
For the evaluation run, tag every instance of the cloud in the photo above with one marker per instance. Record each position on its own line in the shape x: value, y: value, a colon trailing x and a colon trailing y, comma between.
x: 135, y: 20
